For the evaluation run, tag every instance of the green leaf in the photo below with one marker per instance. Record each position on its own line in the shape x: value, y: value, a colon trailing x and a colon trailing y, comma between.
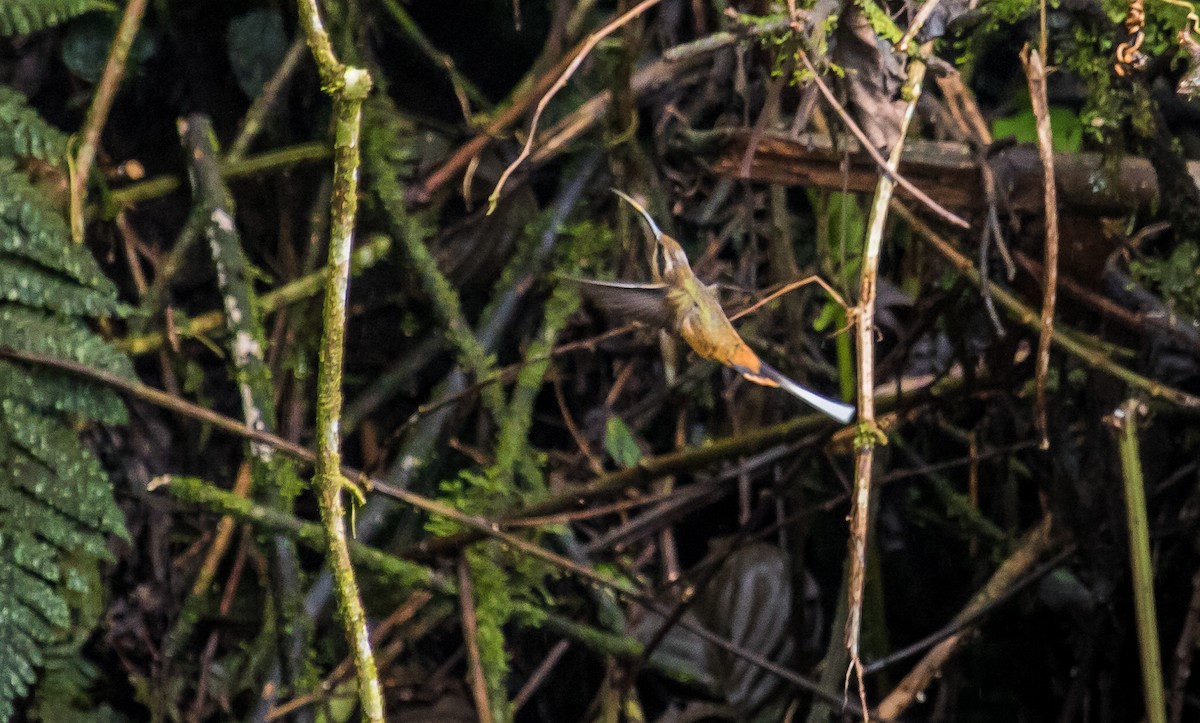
x: 620, y: 443
x: 1066, y: 130
x: 257, y: 44
x: 27, y: 16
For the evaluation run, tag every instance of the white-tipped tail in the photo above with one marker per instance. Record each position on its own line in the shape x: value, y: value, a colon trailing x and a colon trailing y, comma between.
x: 840, y: 411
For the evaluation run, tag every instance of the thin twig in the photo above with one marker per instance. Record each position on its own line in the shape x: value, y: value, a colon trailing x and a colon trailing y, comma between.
x: 539, y: 674
x: 1036, y: 544
x: 584, y: 50
x: 1185, y: 649
x: 190, y: 611
x: 789, y: 287
x: 880, y: 161
x: 869, y: 433
x: 917, y: 23
x: 97, y: 116
x: 962, y: 624
x: 1035, y: 71
x: 272, y: 90
x: 470, y: 630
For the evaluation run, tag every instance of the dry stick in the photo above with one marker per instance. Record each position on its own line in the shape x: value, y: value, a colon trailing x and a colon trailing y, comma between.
x: 1035, y: 545
x: 961, y: 624
x: 585, y: 49
x: 349, y: 87
x: 1124, y: 421
x: 332, y: 681
x: 888, y: 171
x: 470, y: 630
x: 539, y: 675
x: 252, y: 122
x: 787, y: 288
x: 224, y: 533
x: 917, y: 23
x: 130, y: 242
x: 464, y: 89
x: 185, y: 621
x: 106, y: 91
x: 442, y: 175
x: 869, y: 433
x: 580, y: 120
x: 1035, y: 71
x: 1028, y: 317
x: 210, y: 646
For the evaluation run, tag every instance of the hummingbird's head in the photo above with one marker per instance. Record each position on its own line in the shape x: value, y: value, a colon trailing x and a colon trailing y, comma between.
x: 674, y: 259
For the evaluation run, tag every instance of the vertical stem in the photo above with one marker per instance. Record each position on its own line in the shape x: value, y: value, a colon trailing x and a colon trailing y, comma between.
x: 470, y: 630
x: 1125, y: 422
x: 348, y: 86
x: 1035, y: 70
x: 869, y: 435
x: 97, y: 115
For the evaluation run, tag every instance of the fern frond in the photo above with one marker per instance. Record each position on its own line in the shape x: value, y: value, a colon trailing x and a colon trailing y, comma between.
x: 32, y: 286
x: 31, y: 613
x: 35, y: 331
x: 72, y: 480
x: 18, y: 17
x: 56, y: 503
x: 30, y: 228
x: 61, y: 392
x: 24, y: 134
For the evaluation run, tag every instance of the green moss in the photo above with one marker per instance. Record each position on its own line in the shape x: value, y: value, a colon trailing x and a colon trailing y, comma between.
x: 1175, y: 278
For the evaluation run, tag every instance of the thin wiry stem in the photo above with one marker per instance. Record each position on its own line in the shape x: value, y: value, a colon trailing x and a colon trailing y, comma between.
x: 592, y: 41
x: 1035, y: 71
x: 97, y: 116
x: 1125, y: 421
x: 869, y: 434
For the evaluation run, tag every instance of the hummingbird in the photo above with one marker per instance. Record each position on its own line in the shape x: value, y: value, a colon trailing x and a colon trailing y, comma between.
x: 681, y: 303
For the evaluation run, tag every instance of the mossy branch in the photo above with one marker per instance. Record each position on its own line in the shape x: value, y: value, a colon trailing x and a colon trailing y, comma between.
x: 442, y: 295
x: 349, y: 87
x: 274, y: 477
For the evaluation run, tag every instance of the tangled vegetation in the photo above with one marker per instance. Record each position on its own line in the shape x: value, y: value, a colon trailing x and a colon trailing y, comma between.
x: 336, y: 383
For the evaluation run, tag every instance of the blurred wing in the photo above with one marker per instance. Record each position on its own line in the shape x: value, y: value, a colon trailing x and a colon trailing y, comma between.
x: 646, y: 303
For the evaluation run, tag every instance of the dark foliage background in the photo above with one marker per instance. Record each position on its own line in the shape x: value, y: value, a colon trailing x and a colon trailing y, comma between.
x: 476, y: 375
